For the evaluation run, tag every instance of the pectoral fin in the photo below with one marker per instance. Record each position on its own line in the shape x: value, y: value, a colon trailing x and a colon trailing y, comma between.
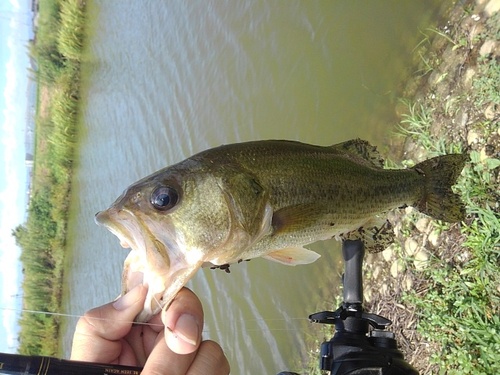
x: 294, y: 218
x: 292, y: 256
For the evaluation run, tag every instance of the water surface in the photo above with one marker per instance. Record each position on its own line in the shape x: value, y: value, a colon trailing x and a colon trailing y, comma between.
x: 164, y: 80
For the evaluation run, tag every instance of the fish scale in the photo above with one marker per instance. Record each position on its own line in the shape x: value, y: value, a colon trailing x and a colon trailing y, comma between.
x: 267, y: 199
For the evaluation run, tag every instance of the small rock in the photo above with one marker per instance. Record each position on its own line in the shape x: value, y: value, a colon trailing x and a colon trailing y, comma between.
x: 422, y: 224
x: 411, y: 246
x: 407, y: 283
x: 483, y: 155
x: 383, y: 289
x: 421, y: 260
x: 472, y: 137
x: 489, y: 112
x: 433, y: 237
x: 492, y: 7
x: 463, y: 117
x: 463, y: 256
x: 367, y: 295
x: 469, y: 74
x: 376, y: 272
x: 487, y: 48
x: 387, y: 253
x: 397, y: 227
x: 397, y: 267
x: 409, y: 210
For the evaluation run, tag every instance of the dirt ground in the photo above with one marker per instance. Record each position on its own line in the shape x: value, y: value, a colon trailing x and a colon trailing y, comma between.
x: 472, y: 35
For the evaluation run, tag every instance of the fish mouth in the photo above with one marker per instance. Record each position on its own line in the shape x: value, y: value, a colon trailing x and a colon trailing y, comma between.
x: 148, y: 262
x: 122, y: 224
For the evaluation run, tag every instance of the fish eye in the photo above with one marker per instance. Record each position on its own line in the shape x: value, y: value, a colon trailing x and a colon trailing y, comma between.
x: 164, y: 198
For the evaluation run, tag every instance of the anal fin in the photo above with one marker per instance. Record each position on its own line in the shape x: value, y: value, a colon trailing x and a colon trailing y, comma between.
x: 377, y: 234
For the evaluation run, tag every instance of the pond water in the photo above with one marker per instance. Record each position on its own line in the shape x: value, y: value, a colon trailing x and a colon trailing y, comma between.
x: 164, y: 80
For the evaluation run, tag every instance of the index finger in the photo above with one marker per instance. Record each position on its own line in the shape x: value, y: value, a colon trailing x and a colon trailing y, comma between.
x: 99, y: 332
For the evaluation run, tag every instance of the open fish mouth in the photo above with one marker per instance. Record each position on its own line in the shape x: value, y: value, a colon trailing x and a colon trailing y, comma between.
x: 122, y: 224
x: 137, y: 270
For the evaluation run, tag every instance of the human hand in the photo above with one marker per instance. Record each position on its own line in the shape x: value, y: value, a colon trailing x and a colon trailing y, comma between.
x: 169, y: 344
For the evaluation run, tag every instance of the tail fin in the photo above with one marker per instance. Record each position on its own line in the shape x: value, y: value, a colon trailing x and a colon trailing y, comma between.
x: 438, y: 199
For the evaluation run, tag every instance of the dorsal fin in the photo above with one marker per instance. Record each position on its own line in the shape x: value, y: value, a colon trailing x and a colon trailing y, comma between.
x: 361, y: 151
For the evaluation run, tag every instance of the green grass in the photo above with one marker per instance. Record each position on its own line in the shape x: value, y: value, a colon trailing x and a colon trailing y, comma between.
x: 42, y: 238
x: 416, y: 124
x: 486, y: 92
x: 460, y: 308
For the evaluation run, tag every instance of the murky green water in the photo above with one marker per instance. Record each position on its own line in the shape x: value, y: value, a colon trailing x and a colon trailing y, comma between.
x: 168, y: 79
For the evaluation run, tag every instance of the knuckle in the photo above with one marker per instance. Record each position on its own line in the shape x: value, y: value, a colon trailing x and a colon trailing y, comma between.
x: 215, y: 356
x: 89, y: 322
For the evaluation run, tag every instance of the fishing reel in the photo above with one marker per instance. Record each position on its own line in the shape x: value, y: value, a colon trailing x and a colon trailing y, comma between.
x: 361, y: 344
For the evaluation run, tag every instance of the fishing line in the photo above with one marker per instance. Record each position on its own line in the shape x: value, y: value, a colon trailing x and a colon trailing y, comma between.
x: 77, y: 316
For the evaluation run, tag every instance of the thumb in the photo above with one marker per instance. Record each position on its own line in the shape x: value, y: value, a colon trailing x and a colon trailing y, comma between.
x: 183, y: 322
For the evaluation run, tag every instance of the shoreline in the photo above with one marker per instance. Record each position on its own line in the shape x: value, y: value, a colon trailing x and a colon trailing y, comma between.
x: 453, y: 107
x: 439, y: 283
x: 42, y: 238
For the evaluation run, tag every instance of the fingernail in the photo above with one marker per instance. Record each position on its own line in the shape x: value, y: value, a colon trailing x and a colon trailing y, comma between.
x: 129, y: 299
x: 186, y: 329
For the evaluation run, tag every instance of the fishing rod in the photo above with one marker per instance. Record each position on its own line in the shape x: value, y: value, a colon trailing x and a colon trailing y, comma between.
x: 355, y: 348
x: 17, y: 364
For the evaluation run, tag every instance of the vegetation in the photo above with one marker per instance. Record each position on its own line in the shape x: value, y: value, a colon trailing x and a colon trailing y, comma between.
x: 458, y: 301
x: 445, y: 305
x: 57, y: 51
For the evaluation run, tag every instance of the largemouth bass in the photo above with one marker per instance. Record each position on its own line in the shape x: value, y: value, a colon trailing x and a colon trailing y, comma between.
x: 266, y: 199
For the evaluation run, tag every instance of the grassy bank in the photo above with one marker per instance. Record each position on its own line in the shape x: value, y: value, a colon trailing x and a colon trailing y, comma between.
x: 444, y: 280
x: 56, y: 50
x: 457, y: 294
x: 440, y: 283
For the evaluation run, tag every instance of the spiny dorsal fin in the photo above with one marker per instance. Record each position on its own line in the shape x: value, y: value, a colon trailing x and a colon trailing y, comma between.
x: 361, y: 151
